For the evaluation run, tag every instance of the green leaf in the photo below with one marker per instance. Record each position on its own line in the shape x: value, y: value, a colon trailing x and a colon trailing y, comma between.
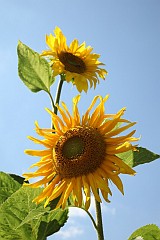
x: 135, y: 158
x: 18, y: 178
x: 20, y: 218
x: 33, y: 69
x: 7, y: 186
x: 52, y: 222
x: 148, y: 232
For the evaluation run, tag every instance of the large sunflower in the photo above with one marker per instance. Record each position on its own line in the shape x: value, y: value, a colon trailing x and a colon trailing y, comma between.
x: 81, y: 154
x: 75, y: 61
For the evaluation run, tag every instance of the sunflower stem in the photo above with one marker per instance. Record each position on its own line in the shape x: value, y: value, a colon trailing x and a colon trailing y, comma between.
x: 89, y: 214
x: 92, y: 219
x: 57, y: 97
x: 58, y: 93
x: 99, y: 229
x: 52, y: 101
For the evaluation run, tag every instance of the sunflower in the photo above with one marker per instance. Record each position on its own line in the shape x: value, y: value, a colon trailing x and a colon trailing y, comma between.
x: 81, y: 154
x: 76, y: 61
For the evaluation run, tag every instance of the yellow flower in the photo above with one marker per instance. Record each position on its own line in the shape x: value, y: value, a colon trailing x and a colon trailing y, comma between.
x: 80, y: 155
x: 75, y: 61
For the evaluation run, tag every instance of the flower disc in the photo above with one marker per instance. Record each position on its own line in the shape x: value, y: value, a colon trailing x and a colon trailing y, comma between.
x: 72, y: 63
x: 78, y: 152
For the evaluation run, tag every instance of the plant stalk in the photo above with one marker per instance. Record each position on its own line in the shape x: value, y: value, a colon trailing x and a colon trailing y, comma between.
x: 52, y: 101
x: 57, y: 97
x: 58, y: 93
x: 99, y: 229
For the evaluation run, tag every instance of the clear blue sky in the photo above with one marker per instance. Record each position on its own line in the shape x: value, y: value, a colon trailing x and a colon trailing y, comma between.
x: 127, y: 35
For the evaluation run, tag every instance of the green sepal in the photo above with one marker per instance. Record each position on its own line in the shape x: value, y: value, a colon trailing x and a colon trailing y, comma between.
x: 34, y: 70
x: 141, y: 156
x: 148, y: 232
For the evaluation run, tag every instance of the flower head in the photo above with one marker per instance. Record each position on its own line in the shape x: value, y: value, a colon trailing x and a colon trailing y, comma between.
x: 80, y: 154
x: 75, y: 61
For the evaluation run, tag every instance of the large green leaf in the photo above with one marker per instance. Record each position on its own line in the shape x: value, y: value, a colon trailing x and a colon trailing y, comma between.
x: 20, y: 218
x: 33, y: 69
x: 18, y: 178
x: 141, y: 156
x: 7, y: 186
x: 148, y: 232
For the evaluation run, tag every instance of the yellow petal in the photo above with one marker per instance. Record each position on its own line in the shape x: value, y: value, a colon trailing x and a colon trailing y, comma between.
x: 92, y: 183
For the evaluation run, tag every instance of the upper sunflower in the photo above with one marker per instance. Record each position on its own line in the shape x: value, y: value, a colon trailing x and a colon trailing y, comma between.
x: 81, y: 154
x: 75, y: 61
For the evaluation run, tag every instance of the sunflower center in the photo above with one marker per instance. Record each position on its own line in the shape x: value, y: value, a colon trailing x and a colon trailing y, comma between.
x: 72, y: 63
x: 80, y: 151
x: 73, y: 147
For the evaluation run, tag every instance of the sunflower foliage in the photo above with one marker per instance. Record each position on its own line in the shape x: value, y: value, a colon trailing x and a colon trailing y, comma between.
x: 20, y: 218
x: 141, y: 156
x: 33, y: 70
x: 22, y: 211
x: 148, y: 232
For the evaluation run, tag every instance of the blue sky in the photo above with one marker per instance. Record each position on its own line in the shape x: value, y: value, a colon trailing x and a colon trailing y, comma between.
x: 127, y: 35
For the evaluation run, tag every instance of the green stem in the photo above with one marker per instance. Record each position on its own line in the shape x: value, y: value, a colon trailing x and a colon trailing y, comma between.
x: 58, y: 93
x: 52, y: 101
x: 99, y: 221
x: 92, y: 219
x: 89, y: 214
